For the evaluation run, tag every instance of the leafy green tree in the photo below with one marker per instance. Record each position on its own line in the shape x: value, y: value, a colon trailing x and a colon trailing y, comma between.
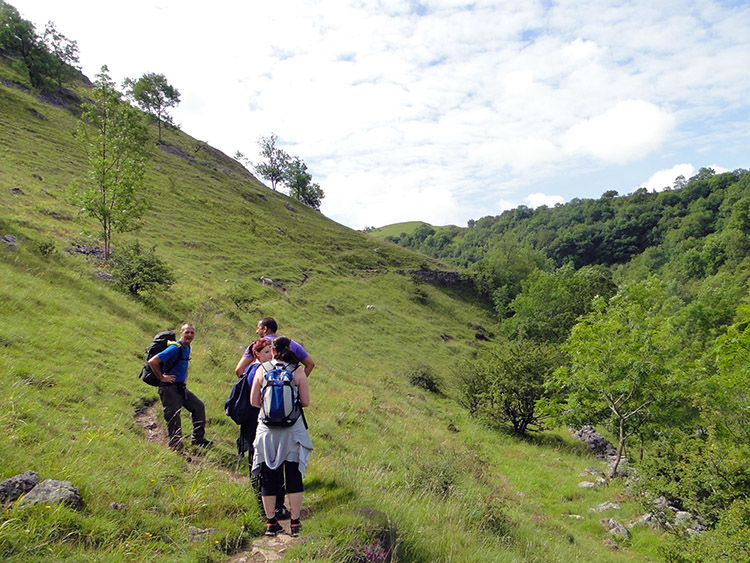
x: 500, y: 273
x: 300, y: 184
x: 551, y: 302
x: 114, y: 139
x: 621, y: 371
x: 154, y: 95
x: 64, y: 54
x: 277, y: 160
x: 703, y: 468
x: 18, y: 36
x: 137, y: 272
x: 506, y: 383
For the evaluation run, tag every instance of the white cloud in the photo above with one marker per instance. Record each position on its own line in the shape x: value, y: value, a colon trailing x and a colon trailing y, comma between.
x: 630, y: 130
x: 665, y: 178
x: 440, y: 110
x: 537, y: 200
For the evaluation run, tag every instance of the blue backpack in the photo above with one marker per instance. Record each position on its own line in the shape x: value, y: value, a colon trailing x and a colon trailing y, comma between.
x: 280, y: 404
x: 238, y: 407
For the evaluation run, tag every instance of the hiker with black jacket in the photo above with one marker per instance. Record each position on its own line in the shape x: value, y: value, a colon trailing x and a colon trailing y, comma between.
x: 281, y: 452
x: 174, y: 393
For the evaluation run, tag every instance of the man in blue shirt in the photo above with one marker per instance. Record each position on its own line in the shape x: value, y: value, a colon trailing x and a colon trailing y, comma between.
x: 174, y: 393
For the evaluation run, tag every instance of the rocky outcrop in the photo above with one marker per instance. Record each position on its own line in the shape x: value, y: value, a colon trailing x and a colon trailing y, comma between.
x: 27, y: 487
x: 598, y: 444
x: 53, y: 491
x: 12, y: 488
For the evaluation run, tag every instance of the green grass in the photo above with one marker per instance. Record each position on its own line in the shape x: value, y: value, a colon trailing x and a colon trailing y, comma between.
x: 71, y: 347
x: 395, y: 230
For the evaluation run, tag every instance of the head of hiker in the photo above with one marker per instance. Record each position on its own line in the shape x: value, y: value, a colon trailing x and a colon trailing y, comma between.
x: 262, y: 350
x: 281, y: 350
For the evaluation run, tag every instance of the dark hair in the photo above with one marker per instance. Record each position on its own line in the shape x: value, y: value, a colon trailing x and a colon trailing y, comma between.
x: 258, y: 345
x: 270, y: 324
x: 281, y: 350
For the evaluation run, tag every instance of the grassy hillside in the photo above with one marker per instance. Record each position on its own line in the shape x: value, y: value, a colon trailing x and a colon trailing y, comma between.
x: 71, y: 346
x: 395, y: 230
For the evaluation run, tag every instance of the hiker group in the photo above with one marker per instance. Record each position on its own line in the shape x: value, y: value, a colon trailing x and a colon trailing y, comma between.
x: 267, y: 402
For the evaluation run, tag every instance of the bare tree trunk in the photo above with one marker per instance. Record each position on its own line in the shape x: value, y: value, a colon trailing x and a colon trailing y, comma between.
x: 620, y: 449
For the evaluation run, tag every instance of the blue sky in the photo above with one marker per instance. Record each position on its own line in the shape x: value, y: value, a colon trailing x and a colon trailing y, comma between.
x: 443, y: 111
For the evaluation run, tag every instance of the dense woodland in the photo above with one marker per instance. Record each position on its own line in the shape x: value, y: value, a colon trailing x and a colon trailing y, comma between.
x: 631, y: 312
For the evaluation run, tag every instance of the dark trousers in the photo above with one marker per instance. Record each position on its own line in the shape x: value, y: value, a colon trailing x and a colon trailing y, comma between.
x: 174, y: 397
x: 272, y: 480
x: 245, y: 444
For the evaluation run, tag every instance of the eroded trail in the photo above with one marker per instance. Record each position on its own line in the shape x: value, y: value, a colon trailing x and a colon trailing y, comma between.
x: 262, y: 549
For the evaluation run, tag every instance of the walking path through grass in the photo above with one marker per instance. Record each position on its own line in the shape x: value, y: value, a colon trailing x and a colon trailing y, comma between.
x: 264, y: 549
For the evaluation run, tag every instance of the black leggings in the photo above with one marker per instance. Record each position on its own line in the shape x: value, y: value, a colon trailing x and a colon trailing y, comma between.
x: 272, y: 480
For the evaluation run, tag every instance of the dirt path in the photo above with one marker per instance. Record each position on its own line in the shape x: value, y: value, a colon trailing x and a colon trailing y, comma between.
x: 262, y: 550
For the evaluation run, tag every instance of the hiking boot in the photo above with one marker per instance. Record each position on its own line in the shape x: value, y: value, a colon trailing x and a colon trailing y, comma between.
x: 294, y: 527
x: 283, y: 513
x: 273, y: 528
x: 203, y: 443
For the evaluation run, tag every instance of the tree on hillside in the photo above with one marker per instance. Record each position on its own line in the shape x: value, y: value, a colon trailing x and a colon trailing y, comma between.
x: 64, y: 54
x: 551, y: 302
x: 114, y: 139
x: 621, y: 368
x: 300, y: 184
x: 501, y: 271
x: 18, y: 36
x: 277, y: 160
x: 154, y: 95
x: 506, y: 383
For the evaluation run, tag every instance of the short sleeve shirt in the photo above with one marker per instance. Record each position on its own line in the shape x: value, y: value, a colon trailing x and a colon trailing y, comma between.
x: 298, y: 350
x: 170, y: 355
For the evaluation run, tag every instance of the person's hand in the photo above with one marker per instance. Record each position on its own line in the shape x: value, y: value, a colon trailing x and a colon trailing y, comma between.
x: 166, y: 378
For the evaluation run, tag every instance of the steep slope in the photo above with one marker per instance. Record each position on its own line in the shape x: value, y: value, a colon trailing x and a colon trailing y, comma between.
x: 71, y: 347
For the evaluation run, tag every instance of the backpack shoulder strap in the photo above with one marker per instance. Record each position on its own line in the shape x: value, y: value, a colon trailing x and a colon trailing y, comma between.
x: 180, y: 356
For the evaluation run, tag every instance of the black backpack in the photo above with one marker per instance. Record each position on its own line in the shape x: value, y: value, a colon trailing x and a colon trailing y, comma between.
x: 238, y: 407
x: 160, y: 343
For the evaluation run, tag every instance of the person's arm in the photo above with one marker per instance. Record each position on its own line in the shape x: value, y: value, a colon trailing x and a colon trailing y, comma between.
x: 155, y: 363
x: 242, y: 365
x: 255, y: 389
x: 300, y: 380
x: 308, y: 364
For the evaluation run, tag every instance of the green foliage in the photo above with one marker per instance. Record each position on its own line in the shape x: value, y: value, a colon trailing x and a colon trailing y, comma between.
x: 114, y: 139
x: 19, y: 37
x: 47, y: 59
x: 621, y: 369
x: 137, y: 272
x: 424, y: 377
x: 506, y: 383
x: 277, y: 160
x: 501, y: 273
x: 46, y: 247
x: 729, y: 542
x: 64, y: 54
x: 154, y: 95
x: 300, y: 184
x: 698, y: 472
x: 551, y: 302
x: 288, y: 170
